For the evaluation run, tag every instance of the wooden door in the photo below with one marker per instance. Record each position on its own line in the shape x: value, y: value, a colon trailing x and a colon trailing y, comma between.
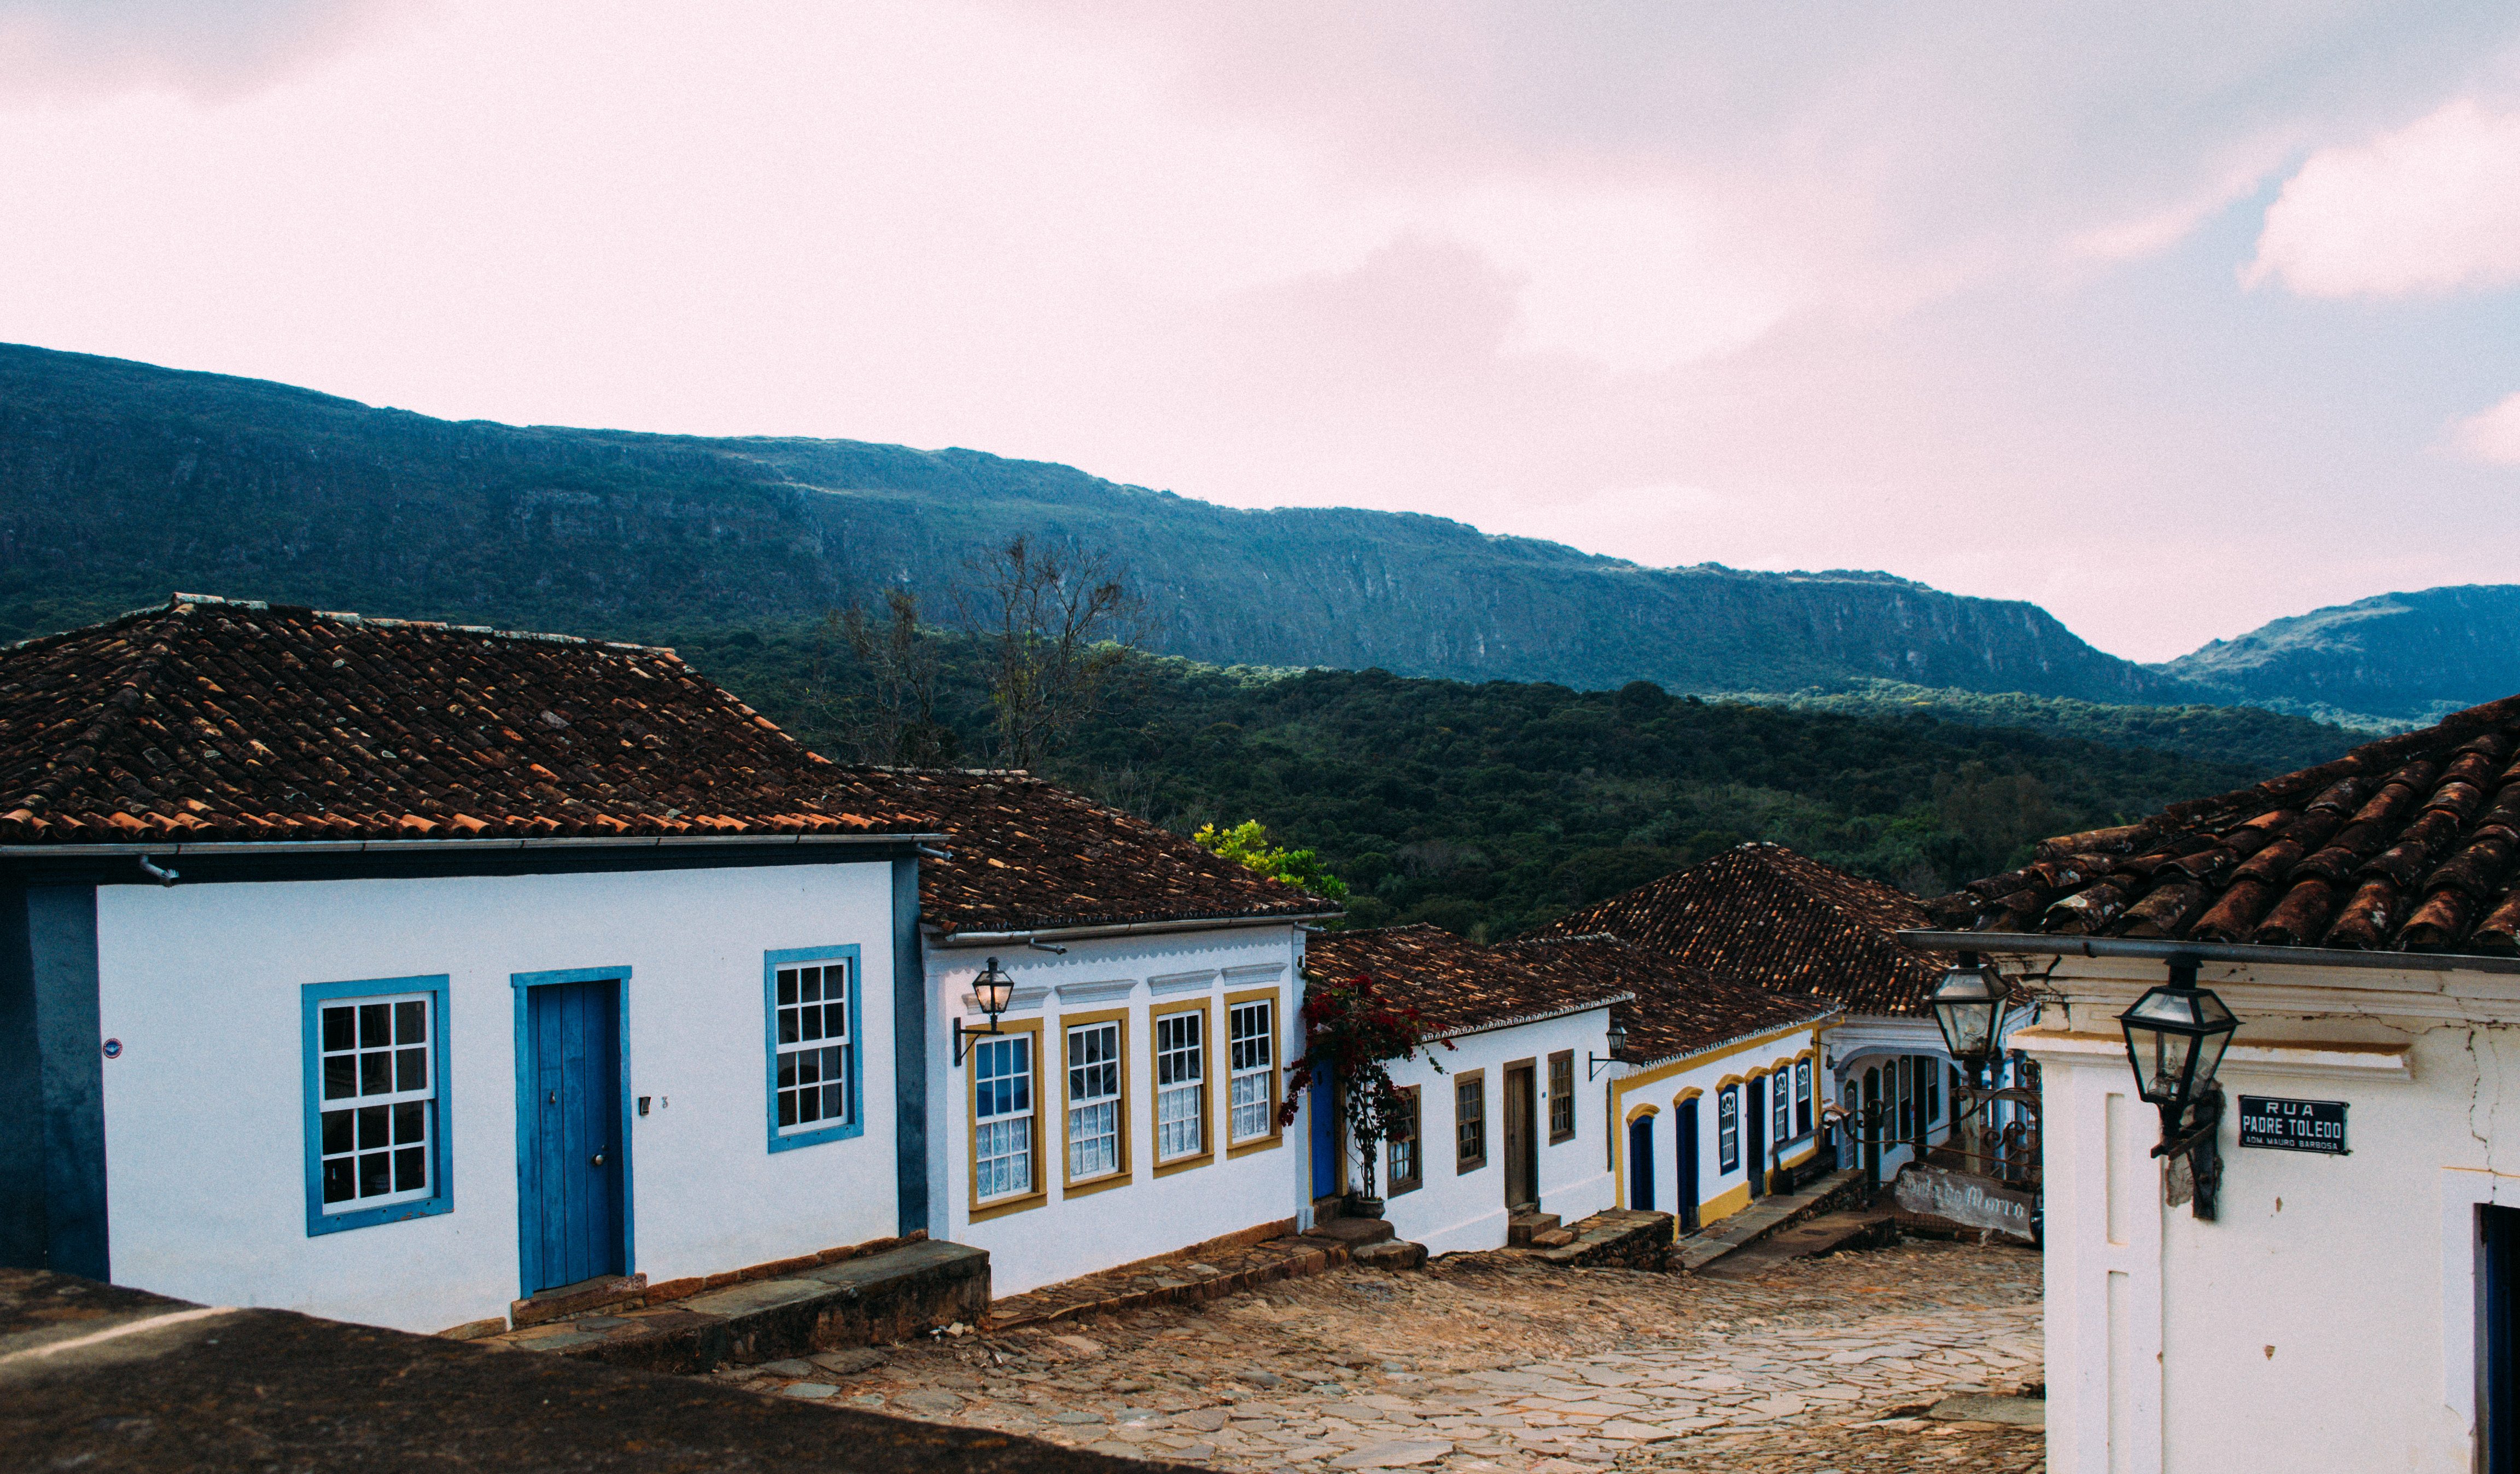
x: 1521, y: 1139
x: 570, y: 1199
x: 1640, y: 1151
x: 1684, y: 1187
x: 1755, y: 1170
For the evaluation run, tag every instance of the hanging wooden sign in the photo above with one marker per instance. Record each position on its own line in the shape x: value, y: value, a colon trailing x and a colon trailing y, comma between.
x: 2293, y: 1125
x: 1965, y: 1200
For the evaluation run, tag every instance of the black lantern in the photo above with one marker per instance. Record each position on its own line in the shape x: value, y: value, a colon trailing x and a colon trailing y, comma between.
x: 1968, y: 1004
x: 1617, y: 1039
x: 2176, y: 1036
x: 993, y: 990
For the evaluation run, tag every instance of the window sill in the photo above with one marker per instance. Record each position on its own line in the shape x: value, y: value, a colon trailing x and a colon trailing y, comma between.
x: 791, y: 1140
x: 1465, y: 1169
x: 1256, y: 1143
x: 1104, y: 1184
x: 1185, y: 1164
x: 1555, y: 1140
x: 319, y: 1223
x: 1001, y: 1207
x: 1403, y: 1189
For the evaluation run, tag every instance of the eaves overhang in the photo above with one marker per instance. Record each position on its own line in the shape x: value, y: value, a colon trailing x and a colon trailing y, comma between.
x: 2165, y: 950
x: 1020, y: 936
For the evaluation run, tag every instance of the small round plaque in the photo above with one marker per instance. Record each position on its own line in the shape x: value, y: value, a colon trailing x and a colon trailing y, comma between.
x: 113, y: 1049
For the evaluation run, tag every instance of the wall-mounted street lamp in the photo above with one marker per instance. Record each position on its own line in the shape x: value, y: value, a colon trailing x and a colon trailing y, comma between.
x: 1617, y: 1040
x: 2176, y: 1036
x: 1969, y: 1005
x: 994, y: 989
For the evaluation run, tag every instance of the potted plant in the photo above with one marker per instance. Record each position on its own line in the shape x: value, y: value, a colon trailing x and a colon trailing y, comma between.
x: 1353, y: 1032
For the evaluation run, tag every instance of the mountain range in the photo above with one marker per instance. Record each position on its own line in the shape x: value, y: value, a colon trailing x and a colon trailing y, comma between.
x: 121, y: 481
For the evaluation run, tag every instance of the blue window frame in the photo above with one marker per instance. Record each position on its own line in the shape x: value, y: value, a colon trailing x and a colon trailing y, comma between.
x: 376, y: 1102
x: 813, y: 1014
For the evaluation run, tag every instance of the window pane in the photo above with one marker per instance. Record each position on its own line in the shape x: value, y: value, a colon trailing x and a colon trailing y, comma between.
x: 786, y: 1026
x: 376, y: 1025
x: 836, y: 1021
x: 787, y: 1108
x: 336, y: 1132
x: 376, y: 1174
x: 411, y: 1069
x: 376, y: 1074
x: 409, y: 1123
x: 375, y: 1127
x: 341, y: 1029
x: 411, y: 1022
x: 786, y: 987
x: 411, y: 1169
x: 341, y: 1074
x: 834, y: 1107
x: 809, y: 985
x: 338, y: 1182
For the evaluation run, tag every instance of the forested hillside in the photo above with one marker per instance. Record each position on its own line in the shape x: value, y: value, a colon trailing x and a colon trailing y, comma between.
x: 120, y: 483
x: 1489, y: 808
x: 2396, y: 660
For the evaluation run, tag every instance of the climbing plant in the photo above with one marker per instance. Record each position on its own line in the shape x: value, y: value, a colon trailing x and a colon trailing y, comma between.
x: 1353, y: 1032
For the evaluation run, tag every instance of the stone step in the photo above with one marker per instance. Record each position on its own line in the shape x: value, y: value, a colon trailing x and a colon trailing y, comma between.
x: 1202, y: 1273
x: 1351, y: 1233
x: 587, y: 1298
x: 1618, y: 1236
x: 1390, y: 1254
x: 1523, y: 1228
x: 1728, y: 1235
x: 873, y: 1299
x: 1809, y: 1239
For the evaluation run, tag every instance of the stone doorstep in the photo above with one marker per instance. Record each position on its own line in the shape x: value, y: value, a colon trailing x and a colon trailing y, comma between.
x: 1694, y: 1251
x: 586, y: 1298
x: 1524, y: 1229
x: 884, y: 1297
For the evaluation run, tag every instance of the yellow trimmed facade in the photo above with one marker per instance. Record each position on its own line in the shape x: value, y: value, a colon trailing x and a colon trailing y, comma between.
x: 1725, y: 1084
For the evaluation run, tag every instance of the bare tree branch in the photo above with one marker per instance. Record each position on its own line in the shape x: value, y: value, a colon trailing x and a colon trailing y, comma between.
x: 1054, y: 625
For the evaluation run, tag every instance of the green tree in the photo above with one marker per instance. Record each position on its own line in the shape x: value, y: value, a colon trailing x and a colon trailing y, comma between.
x: 1247, y: 844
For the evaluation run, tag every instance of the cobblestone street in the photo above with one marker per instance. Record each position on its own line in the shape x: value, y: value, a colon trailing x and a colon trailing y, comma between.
x: 1497, y: 1361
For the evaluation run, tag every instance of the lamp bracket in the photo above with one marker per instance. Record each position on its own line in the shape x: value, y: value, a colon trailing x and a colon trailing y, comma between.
x: 1594, y: 1064
x: 964, y: 1036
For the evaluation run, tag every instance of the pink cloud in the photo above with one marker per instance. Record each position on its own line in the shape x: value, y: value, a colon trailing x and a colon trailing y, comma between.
x: 2430, y: 207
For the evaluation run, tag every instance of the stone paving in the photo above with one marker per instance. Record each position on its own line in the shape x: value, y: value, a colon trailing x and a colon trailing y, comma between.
x: 1504, y: 1362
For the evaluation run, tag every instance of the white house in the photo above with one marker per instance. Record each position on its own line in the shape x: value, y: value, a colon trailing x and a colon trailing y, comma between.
x: 1763, y: 914
x: 1716, y: 1089
x: 1505, y: 1118
x: 2353, y: 1303
x: 398, y: 971
x: 1126, y: 1103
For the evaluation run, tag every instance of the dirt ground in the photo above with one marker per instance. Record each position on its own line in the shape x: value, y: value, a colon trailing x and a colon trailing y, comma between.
x: 1499, y: 1362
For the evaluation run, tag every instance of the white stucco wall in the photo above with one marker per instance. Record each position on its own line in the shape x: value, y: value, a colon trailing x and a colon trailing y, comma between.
x: 1149, y: 1211
x: 2326, y: 1323
x: 1858, y: 1043
x: 1658, y: 1089
x: 204, y: 1123
x: 1453, y: 1210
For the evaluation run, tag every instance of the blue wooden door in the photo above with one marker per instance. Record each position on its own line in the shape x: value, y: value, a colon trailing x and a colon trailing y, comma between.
x: 570, y: 1196
x: 1641, y: 1149
x: 1324, y: 1137
x: 1684, y: 1187
x: 1756, y: 1169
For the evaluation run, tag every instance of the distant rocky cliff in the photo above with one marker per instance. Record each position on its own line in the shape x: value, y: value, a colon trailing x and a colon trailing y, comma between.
x: 119, y: 482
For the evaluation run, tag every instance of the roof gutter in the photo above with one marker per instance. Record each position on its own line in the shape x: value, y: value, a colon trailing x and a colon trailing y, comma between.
x: 2163, y: 950
x: 1028, y: 936
x: 444, y: 846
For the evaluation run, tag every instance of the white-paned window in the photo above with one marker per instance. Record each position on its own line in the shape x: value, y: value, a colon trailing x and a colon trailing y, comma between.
x: 1001, y: 1115
x: 1094, y: 1100
x: 1181, y: 1086
x: 1802, y: 1097
x: 378, y: 1114
x: 1781, y: 1085
x: 812, y: 1074
x: 1253, y: 1054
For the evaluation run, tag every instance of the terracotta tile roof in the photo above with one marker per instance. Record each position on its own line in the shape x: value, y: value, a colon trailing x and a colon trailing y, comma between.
x: 1456, y: 984
x: 1678, y: 1009
x: 2404, y: 843
x: 1029, y: 856
x: 210, y: 720
x: 1762, y: 913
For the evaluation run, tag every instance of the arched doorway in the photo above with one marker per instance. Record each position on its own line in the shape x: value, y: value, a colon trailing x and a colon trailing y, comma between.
x: 1754, y: 1170
x: 1641, y: 1149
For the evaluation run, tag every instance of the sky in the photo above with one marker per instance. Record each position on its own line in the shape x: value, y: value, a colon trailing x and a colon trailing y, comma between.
x: 2172, y: 320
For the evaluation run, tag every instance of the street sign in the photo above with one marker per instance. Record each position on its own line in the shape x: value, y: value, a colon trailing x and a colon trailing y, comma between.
x: 2293, y: 1125
x: 1964, y: 1199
